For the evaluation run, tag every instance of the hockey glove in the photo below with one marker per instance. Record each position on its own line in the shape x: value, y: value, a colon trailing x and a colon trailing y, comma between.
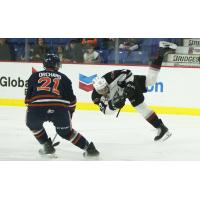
x: 117, y: 103
x: 129, y: 89
x: 121, y: 84
x: 102, y: 107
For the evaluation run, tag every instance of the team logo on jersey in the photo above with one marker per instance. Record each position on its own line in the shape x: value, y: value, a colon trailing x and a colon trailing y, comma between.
x: 85, y: 82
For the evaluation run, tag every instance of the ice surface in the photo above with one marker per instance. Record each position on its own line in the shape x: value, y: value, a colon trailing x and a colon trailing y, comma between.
x: 128, y: 137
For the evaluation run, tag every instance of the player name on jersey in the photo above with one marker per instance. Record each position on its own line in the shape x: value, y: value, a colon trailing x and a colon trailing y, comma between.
x: 49, y: 74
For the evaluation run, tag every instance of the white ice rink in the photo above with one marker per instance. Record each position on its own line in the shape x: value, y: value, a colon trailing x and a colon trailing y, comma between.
x: 128, y: 137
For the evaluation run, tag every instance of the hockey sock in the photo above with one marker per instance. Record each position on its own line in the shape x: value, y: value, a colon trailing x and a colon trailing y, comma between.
x: 152, y: 76
x: 40, y: 135
x: 77, y: 139
x: 154, y: 120
x: 156, y: 63
x: 149, y: 115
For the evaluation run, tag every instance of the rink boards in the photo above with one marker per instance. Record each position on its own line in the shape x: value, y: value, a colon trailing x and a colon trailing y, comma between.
x: 176, y: 90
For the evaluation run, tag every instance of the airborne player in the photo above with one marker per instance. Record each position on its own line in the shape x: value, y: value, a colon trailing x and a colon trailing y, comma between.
x: 112, y: 89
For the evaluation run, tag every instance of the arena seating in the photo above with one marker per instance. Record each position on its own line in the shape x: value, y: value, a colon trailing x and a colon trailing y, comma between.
x: 147, y: 49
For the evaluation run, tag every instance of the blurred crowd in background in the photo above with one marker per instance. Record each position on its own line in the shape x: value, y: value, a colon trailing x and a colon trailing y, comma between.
x: 83, y: 50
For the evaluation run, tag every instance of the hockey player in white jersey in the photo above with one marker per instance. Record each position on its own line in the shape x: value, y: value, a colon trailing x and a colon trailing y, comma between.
x: 112, y: 89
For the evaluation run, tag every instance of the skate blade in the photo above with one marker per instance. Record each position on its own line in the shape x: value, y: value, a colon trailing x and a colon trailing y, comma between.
x: 170, y: 45
x: 165, y: 137
x: 92, y: 158
x: 42, y: 154
x: 51, y: 156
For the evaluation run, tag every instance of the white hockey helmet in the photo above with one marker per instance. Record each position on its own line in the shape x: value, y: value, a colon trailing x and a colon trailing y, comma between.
x: 100, y: 84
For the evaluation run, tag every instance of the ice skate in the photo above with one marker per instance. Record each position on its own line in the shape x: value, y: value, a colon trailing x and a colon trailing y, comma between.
x: 169, y: 45
x: 166, y: 48
x: 163, y: 133
x: 48, y: 148
x: 91, y: 151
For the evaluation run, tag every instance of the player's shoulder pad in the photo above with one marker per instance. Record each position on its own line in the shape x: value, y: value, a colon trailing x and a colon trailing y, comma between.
x: 33, y: 75
x: 65, y: 77
x: 126, y: 71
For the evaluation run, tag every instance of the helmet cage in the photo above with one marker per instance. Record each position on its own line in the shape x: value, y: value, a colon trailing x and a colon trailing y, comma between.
x: 101, y: 86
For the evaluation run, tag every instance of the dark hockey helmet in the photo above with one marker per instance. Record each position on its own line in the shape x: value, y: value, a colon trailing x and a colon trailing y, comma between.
x: 51, y: 61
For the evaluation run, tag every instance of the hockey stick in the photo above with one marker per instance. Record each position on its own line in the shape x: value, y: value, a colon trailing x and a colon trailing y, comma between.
x: 118, y: 112
x: 123, y: 105
x: 56, y: 143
